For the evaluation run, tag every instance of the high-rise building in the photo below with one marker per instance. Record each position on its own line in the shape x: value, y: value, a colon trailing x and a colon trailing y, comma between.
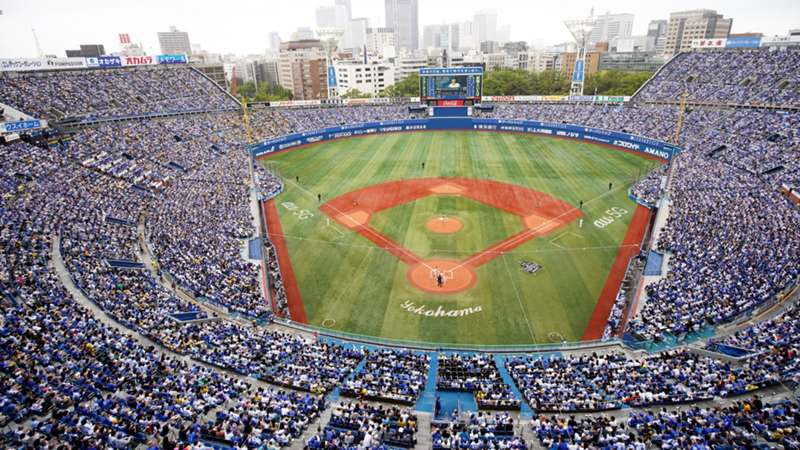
x: 355, y: 34
x: 345, y: 5
x: 302, y: 69
x: 610, y: 26
x: 656, y: 35
x: 326, y: 17
x: 504, y: 34
x: 334, y: 16
x: 174, y: 42
x: 380, y: 41
x: 436, y: 36
x: 274, y: 41
x: 686, y: 26
x: 484, y: 26
x: 466, y: 37
x: 403, y: 17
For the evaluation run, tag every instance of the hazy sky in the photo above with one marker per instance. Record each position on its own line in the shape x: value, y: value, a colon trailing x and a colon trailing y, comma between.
x: 242, y: 26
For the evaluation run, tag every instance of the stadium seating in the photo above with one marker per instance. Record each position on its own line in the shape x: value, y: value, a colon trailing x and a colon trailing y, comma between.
x: 68, y: 378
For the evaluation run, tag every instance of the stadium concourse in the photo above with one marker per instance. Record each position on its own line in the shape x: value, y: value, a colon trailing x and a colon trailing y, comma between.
x: 130, y: 318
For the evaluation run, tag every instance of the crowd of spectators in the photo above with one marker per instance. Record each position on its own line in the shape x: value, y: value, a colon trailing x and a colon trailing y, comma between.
x: 749, y: 423
x: 598, y: 382
x: 734, y: 245
x: 476, y: 373
x: 273, y: 122
x: 103, y: 93
x: 390, y: 375
x: 263, y: 418
x: 361, y: 425
x: 477, y: 431
x: 740, y: 77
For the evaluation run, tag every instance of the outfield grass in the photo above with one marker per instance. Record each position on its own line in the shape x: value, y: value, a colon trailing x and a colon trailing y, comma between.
x: 350, y: 285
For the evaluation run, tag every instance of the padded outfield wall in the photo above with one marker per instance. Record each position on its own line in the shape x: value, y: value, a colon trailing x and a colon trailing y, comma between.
x: 617, y: 139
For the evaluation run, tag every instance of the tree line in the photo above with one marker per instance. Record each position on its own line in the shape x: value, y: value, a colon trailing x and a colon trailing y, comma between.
x: 495, y: 82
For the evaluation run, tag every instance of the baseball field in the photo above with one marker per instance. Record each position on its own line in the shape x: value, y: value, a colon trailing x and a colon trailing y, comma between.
x: 456, y: 237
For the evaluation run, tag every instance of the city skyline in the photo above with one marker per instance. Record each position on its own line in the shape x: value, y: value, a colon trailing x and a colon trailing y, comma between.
x: 540, y: 25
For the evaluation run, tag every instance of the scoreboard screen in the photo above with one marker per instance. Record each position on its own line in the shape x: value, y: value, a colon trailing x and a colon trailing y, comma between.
x: 451, y: 83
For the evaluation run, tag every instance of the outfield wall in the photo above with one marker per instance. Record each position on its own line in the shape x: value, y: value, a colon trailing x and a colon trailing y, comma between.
x: 617, y: 139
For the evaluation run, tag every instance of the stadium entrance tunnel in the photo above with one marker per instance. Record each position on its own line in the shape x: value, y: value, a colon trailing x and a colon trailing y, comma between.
x: 538, y: 213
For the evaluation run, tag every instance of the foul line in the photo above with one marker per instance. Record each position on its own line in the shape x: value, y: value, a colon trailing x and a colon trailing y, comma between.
x: 389, y: 244
x: 519, y: 300
x: 525, y: 235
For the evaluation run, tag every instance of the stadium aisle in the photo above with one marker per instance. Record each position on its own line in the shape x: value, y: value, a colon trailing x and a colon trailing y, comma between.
x: 525, y: 412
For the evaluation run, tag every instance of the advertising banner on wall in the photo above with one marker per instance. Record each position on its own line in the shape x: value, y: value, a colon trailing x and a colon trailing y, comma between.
x: 617, y: 139
x: 138, y: 60
x: 743, y: 42
x: 709, y: 43
x: 171, y: 59
x: 28, y: 64
x: 104, y: 61
x: 20, y: 125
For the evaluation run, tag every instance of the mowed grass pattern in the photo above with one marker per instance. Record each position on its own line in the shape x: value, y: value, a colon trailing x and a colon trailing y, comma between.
x: 350, y: 285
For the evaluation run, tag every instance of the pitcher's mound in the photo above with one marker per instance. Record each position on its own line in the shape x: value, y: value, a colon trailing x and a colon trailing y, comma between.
x: 455, y: 278
x: 444, y: 225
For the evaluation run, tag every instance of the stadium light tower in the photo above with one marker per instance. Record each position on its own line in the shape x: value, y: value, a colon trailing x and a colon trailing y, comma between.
x: 580, y: 29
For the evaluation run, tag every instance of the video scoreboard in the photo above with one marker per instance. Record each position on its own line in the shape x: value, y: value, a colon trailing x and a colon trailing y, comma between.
x: 451, y: 86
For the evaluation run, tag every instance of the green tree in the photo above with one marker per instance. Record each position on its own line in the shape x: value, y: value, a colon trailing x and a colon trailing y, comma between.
x: 355, y: 93
x: 615, y: 82
x: 406, y: 88
x: 265, y: 92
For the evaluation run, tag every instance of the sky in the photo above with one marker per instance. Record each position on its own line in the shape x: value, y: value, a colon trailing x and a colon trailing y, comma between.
x: 242, y: 27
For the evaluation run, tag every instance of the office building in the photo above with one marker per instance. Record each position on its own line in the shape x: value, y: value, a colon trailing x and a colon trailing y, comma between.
x: 686, y: 26
x: 370, y: 78
x: 302, y: 34
x: 87, y: 51
x: 536, y: 61
x: 656, y: 35
x: 302, y: 69
x: 408, y: 65
x: 436, y: 36
x: 274, y: 41
x: 635, y: 62
x: 591, y: 67
x: 484, y: 26
x: 174, y: 42
x: 380, y: 41
x: 215, y: 71
x: 403, y: 17
x: 355, y: 35
x: 610, y: 26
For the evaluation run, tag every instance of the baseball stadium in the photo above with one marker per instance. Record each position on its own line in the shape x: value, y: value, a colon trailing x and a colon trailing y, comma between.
x: 184, y: 267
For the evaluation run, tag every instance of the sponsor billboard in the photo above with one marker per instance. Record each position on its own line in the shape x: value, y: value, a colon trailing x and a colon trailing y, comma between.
x: 104, y: 61
x: 709, y: 43
x: 743, y: 42
x: 331, y: 77
x: 171, y: 59
x: 20, y: 125
x: 577, y: 74
x: 138, y: 60
x: 28, y: 64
